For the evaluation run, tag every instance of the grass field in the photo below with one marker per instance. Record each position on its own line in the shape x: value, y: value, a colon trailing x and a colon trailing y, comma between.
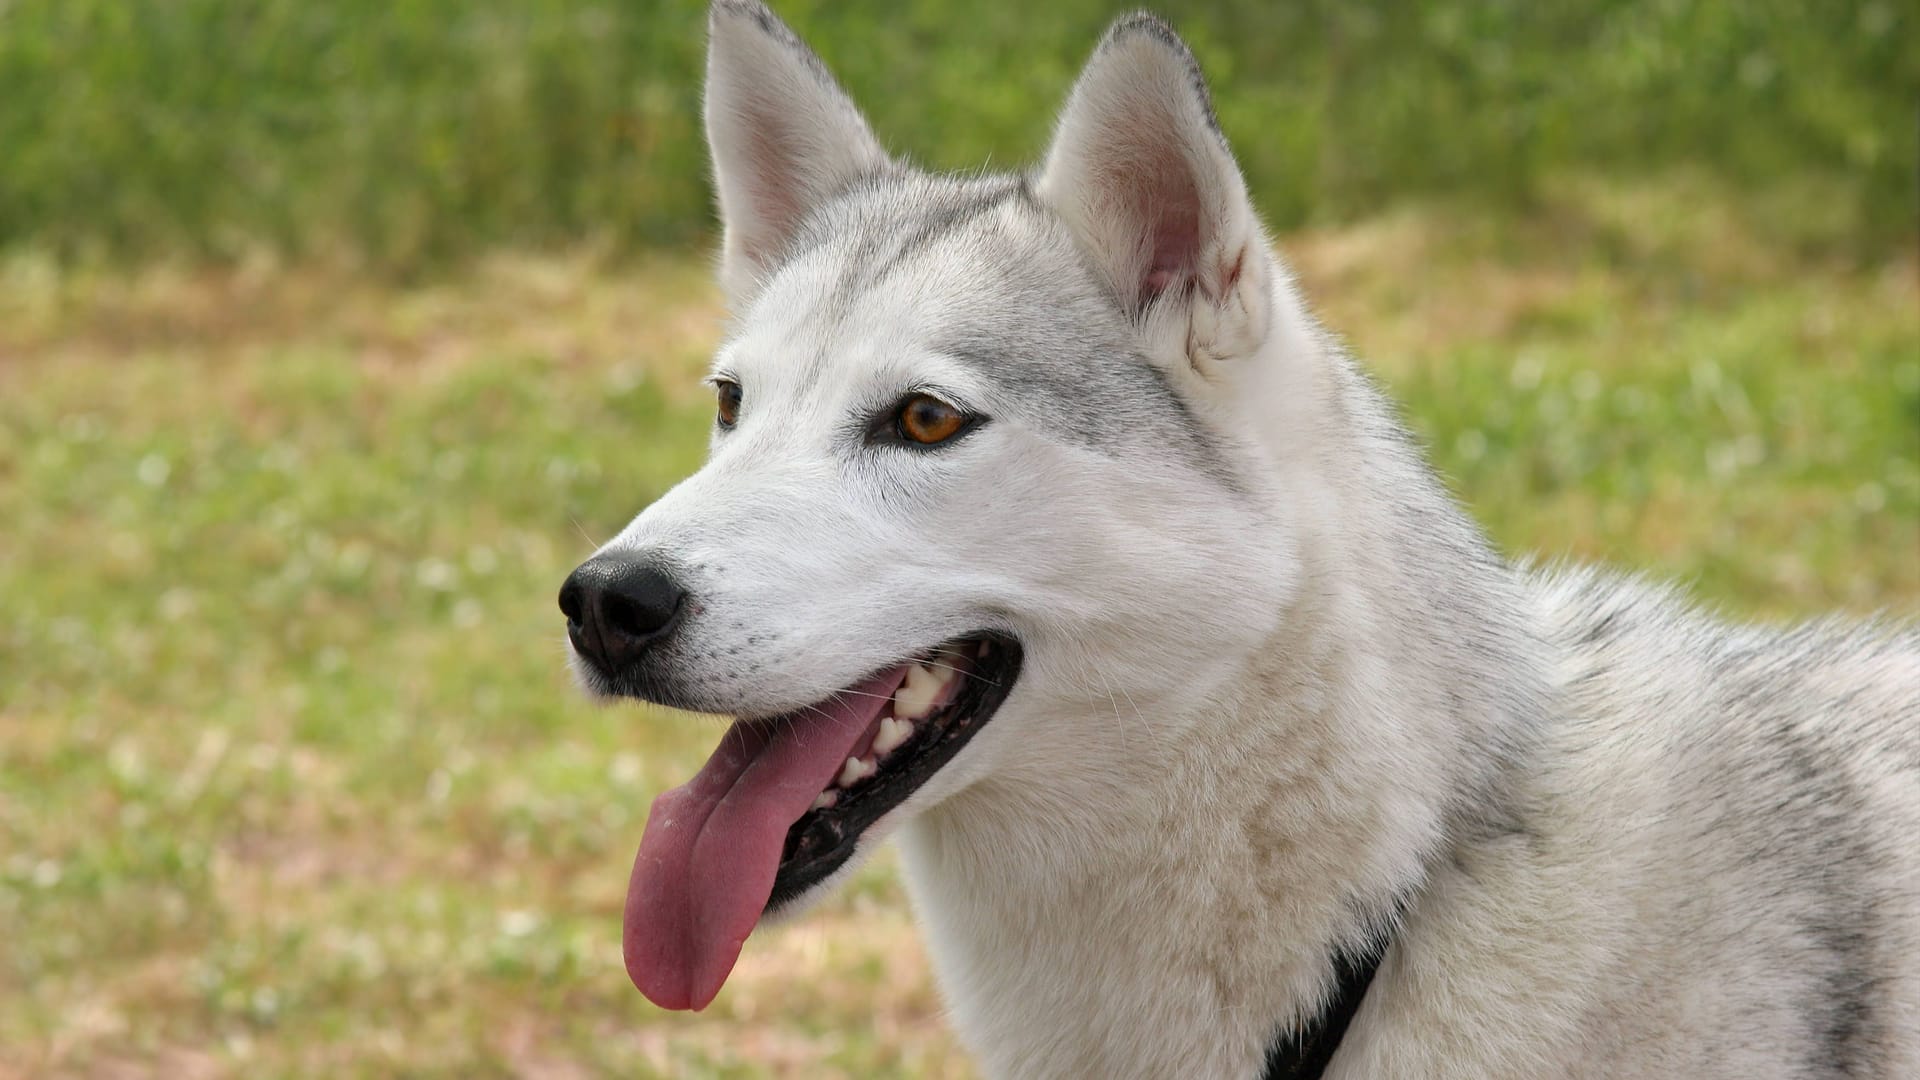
x: 407, y: 135
x: 292, y: 781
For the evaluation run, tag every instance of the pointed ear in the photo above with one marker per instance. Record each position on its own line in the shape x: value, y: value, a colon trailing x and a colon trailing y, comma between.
x: 1141, y: 173
x: 783, y: 135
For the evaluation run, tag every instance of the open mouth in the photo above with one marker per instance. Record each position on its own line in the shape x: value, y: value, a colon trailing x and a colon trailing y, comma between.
x: 782, y: 804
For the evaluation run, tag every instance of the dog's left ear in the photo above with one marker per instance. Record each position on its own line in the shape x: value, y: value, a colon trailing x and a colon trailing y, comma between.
x: 1141, y: 174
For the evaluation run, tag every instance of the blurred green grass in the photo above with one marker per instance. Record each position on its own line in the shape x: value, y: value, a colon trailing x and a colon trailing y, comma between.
x: 332, y: 336
x: 402, y: 135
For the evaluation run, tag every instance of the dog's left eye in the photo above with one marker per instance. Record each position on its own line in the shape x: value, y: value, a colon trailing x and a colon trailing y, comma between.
x: 729, y: 395
x: 927, y: 420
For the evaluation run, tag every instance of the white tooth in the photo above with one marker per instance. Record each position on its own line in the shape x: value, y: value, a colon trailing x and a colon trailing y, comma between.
x: 916, y: 695
x: 825, y: 800
x: 892, y: 733
x: 856, y: 770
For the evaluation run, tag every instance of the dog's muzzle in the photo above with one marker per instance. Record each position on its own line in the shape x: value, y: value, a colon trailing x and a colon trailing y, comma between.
x: 618, y: 607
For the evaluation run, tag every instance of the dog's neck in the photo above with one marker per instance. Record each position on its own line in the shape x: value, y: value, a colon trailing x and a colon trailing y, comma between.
x: 1180, y: 894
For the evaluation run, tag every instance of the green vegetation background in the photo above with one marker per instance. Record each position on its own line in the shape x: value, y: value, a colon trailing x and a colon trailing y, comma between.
x: 409, y: 131
x: 333, y: 334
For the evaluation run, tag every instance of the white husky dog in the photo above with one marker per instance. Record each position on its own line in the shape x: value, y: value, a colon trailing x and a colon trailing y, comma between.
x: 1045, y: 530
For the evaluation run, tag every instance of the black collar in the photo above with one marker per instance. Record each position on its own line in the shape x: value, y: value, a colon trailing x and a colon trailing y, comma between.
x: 1303, y: 1054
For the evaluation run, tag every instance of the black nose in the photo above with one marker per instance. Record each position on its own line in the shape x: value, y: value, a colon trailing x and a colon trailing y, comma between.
x: 616, y: 607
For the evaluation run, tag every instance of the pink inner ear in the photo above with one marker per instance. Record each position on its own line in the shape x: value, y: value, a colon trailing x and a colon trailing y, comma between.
x: 1166, y: 207
x: 1176, y: 246
x: 771, y: 162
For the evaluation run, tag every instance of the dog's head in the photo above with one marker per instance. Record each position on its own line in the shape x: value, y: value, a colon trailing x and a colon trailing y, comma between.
x: 970, y: 509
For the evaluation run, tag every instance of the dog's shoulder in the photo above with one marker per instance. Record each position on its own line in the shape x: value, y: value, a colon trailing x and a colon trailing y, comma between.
x: 1624, y: 641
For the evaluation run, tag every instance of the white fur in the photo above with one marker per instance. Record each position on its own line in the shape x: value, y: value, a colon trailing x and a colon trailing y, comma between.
x: 1260, y: 709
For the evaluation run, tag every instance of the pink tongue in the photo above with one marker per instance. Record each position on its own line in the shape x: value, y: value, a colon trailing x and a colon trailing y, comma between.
x: 712, y: 846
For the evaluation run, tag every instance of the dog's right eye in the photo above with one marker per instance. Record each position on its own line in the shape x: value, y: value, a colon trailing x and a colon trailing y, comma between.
x: 927, y: 420
x: 729, y: 395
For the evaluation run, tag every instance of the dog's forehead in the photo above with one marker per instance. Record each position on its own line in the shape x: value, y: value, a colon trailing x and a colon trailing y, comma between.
x: 920, y: 267
x: 966, y: 268
x: 966, y: 283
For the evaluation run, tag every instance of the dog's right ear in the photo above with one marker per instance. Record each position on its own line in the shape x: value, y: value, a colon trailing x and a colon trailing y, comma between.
x: 783, y: 135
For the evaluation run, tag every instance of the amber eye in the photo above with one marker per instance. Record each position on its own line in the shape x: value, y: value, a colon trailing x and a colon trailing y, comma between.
x: 928, y: 420
x: 729, y: 395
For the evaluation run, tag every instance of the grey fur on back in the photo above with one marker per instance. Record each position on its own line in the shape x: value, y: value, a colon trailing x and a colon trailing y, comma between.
x: 1782, y: 855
